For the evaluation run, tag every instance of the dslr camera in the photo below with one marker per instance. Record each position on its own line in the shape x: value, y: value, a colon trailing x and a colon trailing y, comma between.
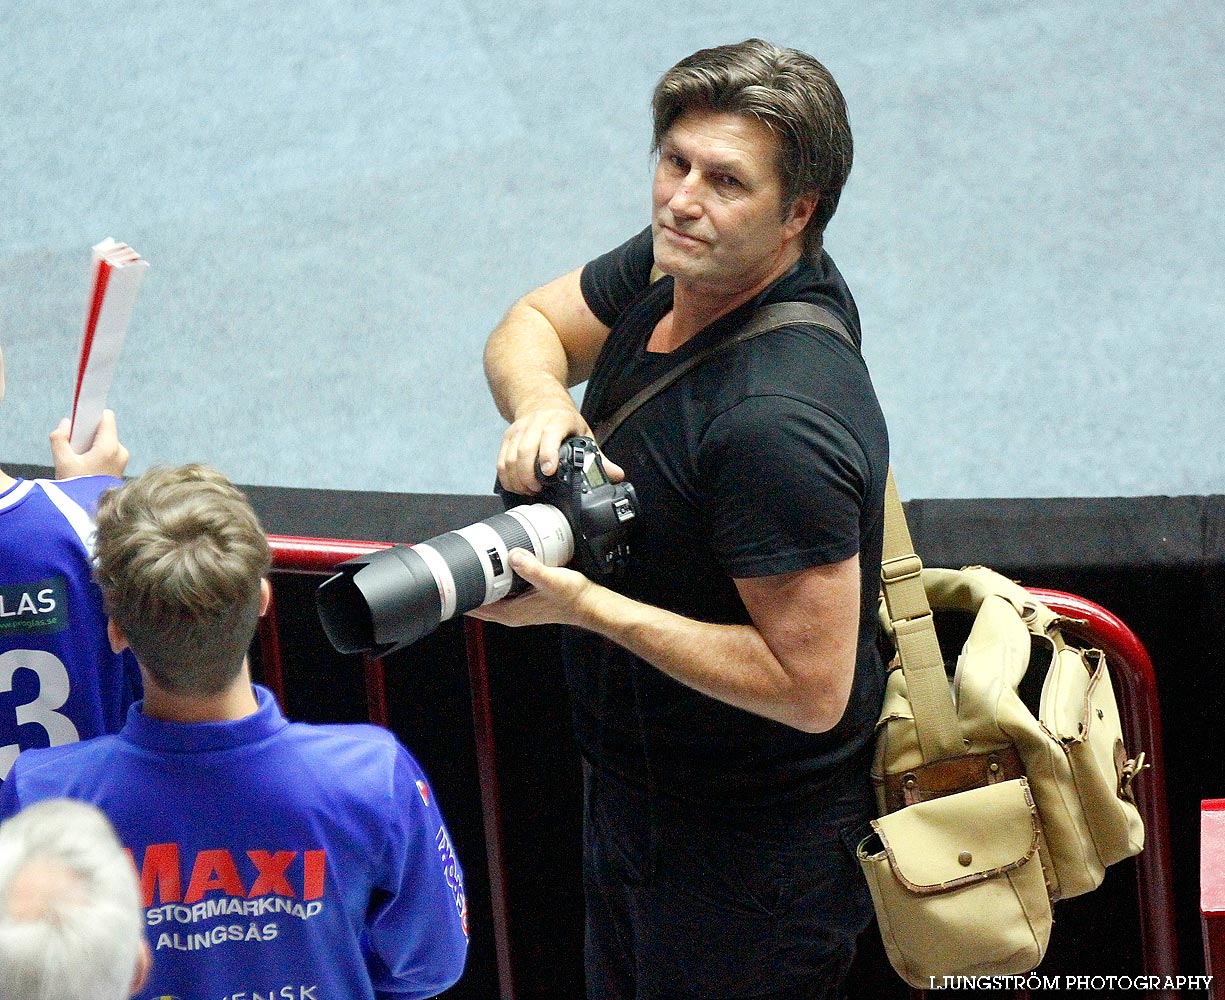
x: 391, y: 598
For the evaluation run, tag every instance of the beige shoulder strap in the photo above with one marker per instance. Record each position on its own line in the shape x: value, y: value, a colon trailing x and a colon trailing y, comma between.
x: 915, y: 632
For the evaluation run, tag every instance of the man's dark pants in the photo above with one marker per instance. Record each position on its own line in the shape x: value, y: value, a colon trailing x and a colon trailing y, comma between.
x: 694, y: 901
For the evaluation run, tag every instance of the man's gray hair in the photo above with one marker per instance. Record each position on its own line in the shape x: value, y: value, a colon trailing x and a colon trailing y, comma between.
x: 788, y: 91
x: 71, y: 925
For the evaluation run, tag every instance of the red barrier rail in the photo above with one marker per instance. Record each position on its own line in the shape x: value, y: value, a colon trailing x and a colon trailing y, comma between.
x: 315, y: 555
x: 1136, y: 687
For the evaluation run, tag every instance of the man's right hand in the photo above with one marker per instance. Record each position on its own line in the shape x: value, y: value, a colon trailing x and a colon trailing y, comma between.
x: 538, y: 434
x: 546, y: 342
x: 106, y: 455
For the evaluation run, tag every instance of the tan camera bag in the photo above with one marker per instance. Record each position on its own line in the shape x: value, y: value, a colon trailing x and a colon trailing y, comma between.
x: 990, y: 810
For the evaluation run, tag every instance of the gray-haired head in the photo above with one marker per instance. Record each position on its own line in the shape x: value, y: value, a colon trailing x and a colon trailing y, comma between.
x: 71, y: 925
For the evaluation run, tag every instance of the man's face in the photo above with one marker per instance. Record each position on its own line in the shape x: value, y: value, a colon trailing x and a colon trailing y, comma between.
x: 717, y: 220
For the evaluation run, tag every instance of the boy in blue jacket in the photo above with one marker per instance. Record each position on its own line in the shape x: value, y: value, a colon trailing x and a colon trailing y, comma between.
x: 275, y: 858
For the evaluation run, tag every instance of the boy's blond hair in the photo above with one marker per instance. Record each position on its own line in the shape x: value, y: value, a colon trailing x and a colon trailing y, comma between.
x: 179, y: 556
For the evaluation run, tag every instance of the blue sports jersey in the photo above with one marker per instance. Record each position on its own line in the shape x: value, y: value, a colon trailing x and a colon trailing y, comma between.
x: 59, y: 680
x: 276, y: 859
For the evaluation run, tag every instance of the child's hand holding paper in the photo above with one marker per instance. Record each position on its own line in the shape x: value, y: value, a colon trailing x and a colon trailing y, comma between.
x: 106, y: 456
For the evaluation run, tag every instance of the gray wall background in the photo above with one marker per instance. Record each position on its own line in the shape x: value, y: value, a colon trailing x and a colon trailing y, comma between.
x: 340, y: 199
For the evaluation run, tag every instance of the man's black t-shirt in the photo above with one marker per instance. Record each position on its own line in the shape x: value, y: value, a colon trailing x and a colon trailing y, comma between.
x: 769, y: 458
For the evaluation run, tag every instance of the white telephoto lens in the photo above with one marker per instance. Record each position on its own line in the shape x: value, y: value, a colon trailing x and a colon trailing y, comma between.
x: 552, y: 539
x: 444, y: 580
x: 491, y: 551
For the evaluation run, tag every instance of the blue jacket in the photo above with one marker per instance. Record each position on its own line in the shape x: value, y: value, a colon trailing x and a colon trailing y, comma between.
x: 59, y: 679
x: 276, y: 859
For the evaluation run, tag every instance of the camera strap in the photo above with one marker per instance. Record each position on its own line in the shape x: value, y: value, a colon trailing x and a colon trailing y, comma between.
x: 765, y: 319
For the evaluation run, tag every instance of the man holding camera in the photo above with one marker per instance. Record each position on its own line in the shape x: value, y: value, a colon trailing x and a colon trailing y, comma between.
x: 726, y: 689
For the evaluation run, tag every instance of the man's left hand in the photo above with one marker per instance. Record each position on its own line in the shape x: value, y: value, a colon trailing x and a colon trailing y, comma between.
x: 557, y: 596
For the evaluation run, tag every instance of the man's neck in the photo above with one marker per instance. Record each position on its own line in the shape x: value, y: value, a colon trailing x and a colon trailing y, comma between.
x: 236, y: 702
x: 696, y: 306
x: 7, y: 482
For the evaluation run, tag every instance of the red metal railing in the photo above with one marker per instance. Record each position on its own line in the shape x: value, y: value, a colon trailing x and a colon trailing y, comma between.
x: 1212, y: 891
x: 1131, y: 670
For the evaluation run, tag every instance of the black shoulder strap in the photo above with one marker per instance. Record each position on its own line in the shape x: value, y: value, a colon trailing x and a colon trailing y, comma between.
x: 765, y: 319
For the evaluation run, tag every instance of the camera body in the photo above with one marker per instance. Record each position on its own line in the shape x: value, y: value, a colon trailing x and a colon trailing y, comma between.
x: 389, y: 599
x: 599, y: 512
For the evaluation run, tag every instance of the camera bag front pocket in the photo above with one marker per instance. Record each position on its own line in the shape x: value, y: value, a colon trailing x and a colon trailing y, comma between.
x: 960, y: 876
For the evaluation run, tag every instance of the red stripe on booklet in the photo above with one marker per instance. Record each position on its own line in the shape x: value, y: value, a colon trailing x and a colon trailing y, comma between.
x: 117, y: 276
x: 102, y: 275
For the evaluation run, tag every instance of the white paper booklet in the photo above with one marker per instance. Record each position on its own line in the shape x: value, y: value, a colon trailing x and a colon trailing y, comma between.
x: 118, y: 271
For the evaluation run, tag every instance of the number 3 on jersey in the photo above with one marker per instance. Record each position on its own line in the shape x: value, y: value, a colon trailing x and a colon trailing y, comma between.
x: 53, y: 689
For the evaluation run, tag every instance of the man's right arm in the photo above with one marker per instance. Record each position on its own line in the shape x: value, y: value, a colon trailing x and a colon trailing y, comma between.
x: 546, y: 342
